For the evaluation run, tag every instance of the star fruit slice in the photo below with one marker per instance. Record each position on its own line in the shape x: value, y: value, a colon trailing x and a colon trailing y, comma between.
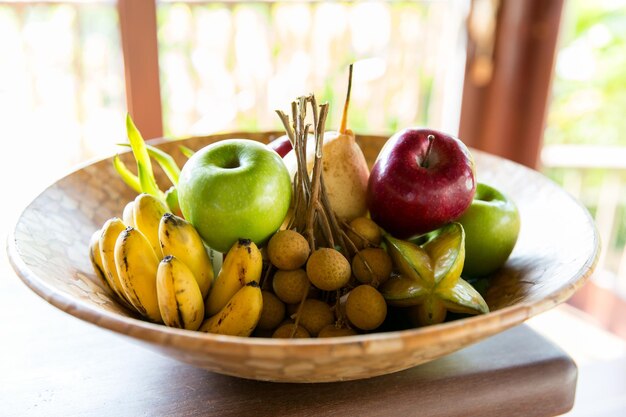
x: 430, y: 277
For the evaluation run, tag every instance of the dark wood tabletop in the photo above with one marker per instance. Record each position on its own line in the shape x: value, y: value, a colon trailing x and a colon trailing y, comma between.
x: 56, y: 365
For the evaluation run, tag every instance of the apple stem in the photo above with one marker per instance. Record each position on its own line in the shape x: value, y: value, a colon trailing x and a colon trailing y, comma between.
x: 344, y: 118
x: 431, y: 139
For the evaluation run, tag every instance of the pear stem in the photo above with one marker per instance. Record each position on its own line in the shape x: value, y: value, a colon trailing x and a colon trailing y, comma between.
x: 344, y: 118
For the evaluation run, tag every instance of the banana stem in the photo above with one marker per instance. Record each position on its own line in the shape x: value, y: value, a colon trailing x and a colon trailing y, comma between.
x: 186, y: 151
x: 165, y: 161
x: 127, y: 176
x: 144, y: 166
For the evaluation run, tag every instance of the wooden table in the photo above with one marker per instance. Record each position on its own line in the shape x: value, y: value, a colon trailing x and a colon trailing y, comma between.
x: 54, y: 364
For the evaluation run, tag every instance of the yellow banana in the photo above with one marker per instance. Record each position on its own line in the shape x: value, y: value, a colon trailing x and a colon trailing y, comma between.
x: 147, y: 213
x: 180, y: 239
x: 110, y: 232
x: 243, y: 264
x: 96, y: 257
x: 240, y: 315
x: 137, y: 267
x: 180, y: 300
x: 128, y: 214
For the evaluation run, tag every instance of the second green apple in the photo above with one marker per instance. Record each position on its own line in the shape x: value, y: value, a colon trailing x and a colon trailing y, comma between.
x: 491, y: 224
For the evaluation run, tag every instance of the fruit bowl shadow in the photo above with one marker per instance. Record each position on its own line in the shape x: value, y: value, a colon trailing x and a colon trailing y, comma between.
x: 555, y: 254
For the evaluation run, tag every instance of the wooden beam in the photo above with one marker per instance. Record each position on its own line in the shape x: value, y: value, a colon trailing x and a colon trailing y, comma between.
x: 141, y: 64
x: 503, y: 110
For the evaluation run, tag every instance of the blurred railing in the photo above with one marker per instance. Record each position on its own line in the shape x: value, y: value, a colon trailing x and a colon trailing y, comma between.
x: 228, y: 65
x: 596, y: 176
x: 231, y: 64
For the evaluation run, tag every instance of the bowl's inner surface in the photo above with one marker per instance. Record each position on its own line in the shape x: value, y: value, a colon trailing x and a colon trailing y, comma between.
x: 555, y: 251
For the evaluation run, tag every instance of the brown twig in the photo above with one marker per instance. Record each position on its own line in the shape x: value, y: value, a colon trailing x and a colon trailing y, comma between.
x: 312, y: 211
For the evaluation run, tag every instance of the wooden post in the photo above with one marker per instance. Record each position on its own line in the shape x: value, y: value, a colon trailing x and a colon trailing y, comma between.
x: 503, y: 109
x: 141, y: 64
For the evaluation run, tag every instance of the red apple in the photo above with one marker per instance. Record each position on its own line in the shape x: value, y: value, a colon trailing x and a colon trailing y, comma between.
x: 281, y: 145
x: 421, y: 180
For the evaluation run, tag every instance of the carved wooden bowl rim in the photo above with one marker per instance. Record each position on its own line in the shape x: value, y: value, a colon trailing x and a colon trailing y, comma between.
x: 471, y: 329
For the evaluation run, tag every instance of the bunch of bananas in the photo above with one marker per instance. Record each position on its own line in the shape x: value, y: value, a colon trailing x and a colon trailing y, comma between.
x: 156, y: 264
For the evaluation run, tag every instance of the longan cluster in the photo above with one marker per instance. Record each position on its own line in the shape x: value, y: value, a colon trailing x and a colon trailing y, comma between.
x: 322, y: 293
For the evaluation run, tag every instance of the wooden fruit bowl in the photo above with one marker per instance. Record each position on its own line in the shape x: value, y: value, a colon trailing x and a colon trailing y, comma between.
x: 555, y: 254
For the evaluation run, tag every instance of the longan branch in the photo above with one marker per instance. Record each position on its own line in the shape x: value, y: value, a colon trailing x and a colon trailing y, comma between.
x: 334, y: 224
x: 358, y: 234
x: 325, y: 225
x: 317, y: 173
x: 299, y: 313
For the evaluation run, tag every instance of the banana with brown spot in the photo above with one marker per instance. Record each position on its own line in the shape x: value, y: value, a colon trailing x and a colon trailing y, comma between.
x: 179, y: 238
x: 180, y: 300
x: 106, y: 245
x: 137, y: 266
x: 240, y: 315
x: 242, y: 265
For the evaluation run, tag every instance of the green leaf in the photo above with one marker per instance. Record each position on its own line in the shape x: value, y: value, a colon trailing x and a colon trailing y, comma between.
x: 127, y: 176
x: 144, y: 166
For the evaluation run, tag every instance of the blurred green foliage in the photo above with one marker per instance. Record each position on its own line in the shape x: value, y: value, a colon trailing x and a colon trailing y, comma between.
x: 589, y: 87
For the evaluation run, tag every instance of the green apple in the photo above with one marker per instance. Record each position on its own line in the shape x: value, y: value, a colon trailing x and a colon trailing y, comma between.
x: 491, y: 224
x: 232, y: 189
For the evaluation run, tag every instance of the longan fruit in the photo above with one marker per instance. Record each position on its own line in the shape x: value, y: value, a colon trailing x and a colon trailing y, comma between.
x: 273, y: 312
x: 365, y: 307
x: 288, y: 250
x: 328, y: 269
x: 290, y: 286
x: 284, y: 332
x: 366, y: 228
x: 315, y: 315
x: 379, y: 262
x: 332, y: 330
